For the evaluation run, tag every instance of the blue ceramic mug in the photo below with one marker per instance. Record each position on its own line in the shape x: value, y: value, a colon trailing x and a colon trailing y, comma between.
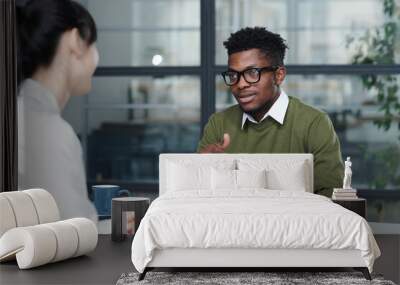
x: 102, y: 196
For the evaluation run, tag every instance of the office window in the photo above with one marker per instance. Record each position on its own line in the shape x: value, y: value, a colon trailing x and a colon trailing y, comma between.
x: 147, y: 33
x: 317, y: 32
x: 135, y: 103
x: 130, y: 121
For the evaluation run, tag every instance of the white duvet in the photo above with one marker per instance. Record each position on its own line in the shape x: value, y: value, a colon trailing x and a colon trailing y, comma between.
x: 253, y: 218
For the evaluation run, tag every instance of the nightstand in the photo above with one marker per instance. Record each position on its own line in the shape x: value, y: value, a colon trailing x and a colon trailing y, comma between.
x: 358, y: 206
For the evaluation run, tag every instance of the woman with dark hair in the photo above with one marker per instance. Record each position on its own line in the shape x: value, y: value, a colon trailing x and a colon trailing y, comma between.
x: 56, y: 59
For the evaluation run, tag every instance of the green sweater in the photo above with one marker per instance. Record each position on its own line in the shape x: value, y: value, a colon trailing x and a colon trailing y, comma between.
x: 304, y: 130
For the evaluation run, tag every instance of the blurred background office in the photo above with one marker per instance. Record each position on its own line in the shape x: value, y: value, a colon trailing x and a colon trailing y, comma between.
x: 158, y: 82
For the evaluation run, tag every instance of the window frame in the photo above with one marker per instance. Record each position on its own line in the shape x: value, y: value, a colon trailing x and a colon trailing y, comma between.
x: 208, y: 70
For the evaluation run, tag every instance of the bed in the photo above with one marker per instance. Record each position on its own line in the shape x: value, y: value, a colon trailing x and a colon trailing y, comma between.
x: 246, y: 211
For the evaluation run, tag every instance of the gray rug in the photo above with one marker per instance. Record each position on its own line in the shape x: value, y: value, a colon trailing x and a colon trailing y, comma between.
x: 243, y: 278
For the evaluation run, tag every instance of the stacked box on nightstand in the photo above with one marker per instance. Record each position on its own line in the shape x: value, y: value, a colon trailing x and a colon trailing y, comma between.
x: 344, y: 194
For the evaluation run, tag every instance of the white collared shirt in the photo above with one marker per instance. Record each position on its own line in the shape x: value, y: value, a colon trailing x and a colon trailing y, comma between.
x: 277, y: 111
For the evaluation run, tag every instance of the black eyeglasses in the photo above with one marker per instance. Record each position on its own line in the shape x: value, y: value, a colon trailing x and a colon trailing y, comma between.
x: 250, y: 75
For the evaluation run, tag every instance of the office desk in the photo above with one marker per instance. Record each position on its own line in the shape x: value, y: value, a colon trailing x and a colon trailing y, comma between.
x: 104, y: 265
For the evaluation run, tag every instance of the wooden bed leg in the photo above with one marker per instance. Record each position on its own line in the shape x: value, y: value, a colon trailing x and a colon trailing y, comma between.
x: 143, y: 274
x: 364, y: 271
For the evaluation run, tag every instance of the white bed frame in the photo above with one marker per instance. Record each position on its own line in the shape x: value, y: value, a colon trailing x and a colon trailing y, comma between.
x: 246, y: 258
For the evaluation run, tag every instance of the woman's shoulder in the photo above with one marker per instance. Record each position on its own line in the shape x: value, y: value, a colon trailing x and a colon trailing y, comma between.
x: 48, y: 129
x: 36, y: 98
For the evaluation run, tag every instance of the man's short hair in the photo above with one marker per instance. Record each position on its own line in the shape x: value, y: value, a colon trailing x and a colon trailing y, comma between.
x: 272, y: 45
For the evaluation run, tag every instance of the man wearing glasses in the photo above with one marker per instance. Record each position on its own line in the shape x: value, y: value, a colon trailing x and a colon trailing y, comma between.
x: 266, y: 120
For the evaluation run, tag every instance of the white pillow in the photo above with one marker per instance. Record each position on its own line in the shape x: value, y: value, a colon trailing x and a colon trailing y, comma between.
x: 251, y: 178
x: 281, y: 174
x: 183, y: 178
x: 188, y: 175
x: 222, y: 179
x: 293, y: 180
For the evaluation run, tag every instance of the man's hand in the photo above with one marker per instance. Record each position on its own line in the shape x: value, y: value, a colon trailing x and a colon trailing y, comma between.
x: 218, y: 147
